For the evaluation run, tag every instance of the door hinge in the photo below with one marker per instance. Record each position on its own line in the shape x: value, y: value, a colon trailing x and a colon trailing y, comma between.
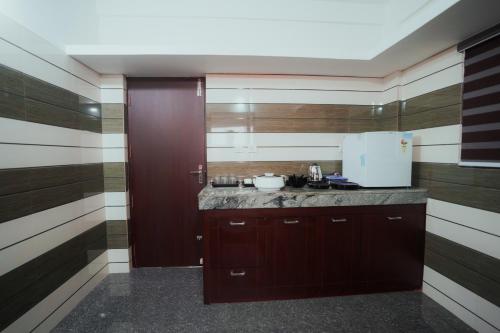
x: 201, y: 261
x: 198, y: 89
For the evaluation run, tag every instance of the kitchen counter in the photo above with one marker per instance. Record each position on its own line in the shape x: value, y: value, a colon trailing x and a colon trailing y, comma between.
x: 245, y: 198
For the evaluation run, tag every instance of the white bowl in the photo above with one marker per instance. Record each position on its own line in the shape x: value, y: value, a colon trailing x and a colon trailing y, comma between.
x: 269, y: 182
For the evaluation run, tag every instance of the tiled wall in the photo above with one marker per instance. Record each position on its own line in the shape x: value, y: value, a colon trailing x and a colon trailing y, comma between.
x: 258, y: 123
x: 52, y: 202
x: 462, y: 259
x: 114, y: 128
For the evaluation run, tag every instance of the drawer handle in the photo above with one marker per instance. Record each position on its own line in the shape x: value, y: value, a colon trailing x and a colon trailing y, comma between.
x: 233, y: 273
x: 394, y: 218
x: 232, y: 223
x: 338, y: 220
x: 291, y: 221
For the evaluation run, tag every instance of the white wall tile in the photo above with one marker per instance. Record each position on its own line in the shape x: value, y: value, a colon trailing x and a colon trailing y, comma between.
x: 274, y: 139
x: 115, y: 155
x: 117, y: 213
x: 25, y: 132
x: 466, y: 300
x: 16, y: 230
x: 116, y: 198
x: 443, y: 135
x: 274, y: 154
x: 114, y: 140
x: 20, y: 253
x: 437, y: 154
x: 472, y: 238
x: 23, y: 156
x: 118, y: 255
x: 438, y: 80
x: 470, y: 217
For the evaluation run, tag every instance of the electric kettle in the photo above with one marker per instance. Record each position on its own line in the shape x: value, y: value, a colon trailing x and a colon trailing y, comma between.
x: 315, y: 174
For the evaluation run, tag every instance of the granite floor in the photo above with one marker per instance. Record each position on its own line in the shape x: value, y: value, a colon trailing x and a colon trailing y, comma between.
x: 170, y: 300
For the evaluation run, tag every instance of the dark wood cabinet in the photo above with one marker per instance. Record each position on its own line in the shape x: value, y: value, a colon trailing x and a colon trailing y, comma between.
x: 262, y: 254
x: 339, y: 238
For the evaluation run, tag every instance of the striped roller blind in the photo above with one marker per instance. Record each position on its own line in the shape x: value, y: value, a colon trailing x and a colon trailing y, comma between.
x: 481, y: 103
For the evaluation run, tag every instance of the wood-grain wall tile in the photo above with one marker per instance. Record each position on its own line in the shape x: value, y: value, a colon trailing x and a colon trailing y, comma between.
x: 48, y: 93
x: 466, y: 195
x: 117, y: 241
x: 444, y: 258
x: 452, y: 173
x: 113, y: 110
x: 246, y: 169
x: 115, y: 184
x: 113, y: 125
x: 114, y: 169
x: 12, y: 106
x: 44, y: 113
x: 11, y: 81
x: 25, y: 286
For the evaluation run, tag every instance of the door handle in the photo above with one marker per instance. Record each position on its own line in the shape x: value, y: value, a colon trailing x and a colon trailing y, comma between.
x: 394, y: 218
x: 291, y: 221
x: 198, y: 172
x: 338, y: 220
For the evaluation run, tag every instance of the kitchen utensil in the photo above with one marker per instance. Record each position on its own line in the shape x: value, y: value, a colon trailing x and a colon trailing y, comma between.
x: 297, y: 181
x: 345, y: 185
x: 319, y: 185
x: 268, y: 182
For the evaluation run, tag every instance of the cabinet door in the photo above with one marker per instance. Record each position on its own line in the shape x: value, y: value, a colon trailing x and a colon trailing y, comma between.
x: 237, y: 243
x: 292, y: 251
x: 340, y: 239
x: 392, y: 250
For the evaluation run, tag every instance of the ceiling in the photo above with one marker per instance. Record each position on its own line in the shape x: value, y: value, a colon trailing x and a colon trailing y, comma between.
x: 369, y: 38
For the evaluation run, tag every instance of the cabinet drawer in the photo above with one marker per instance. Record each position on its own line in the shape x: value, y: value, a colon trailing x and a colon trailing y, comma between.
x: 237, y: 243
x: 236, y: 284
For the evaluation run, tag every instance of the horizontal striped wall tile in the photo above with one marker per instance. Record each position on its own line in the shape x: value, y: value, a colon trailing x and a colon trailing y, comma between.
x: 113, y: 111
x: 437, y: 80
x: 274, y: 139
x: 115, y: 177
x: 113, y: 126
x: 114, y: 140
x: 118, y: 213
x: 114, y: 155
x: 19, y: 229
x: 116, y: 198
x: 13, y: 206
x: 436, y: 153
x: 46, y: 314
x: 292, y: 82
x: 25, y: 156
x: 438, y: 108
x: 434, y: 64
x: 470, y: 217
x: 477, y: 197
x: 24, y: 132
x: 452, y: 173
x: 476, y: 311
x: 305, y: 118
x: 117, y: 234
x: 443, y: 135
x: 292, y: 96
x: 115, y: 185
x: 29, y: 179
x: 12, y: 106
x: 274, y: 154
x: 478, y: 240
x: 20, y: 253
x: 258, y: 168
x: 444, y: 258
x: 30, y: 283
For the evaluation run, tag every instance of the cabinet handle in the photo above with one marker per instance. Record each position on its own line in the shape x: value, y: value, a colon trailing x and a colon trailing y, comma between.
x: 291, y: 221
x: 394, y: 218
x: 338, y: 220
x: 233, y: 273
x: 232, y: 223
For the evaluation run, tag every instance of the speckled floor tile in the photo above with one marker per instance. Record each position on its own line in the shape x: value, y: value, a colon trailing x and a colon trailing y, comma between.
x: 170, y: 300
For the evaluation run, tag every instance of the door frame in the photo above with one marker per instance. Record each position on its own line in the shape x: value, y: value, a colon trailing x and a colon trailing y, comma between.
x: 130, y: 228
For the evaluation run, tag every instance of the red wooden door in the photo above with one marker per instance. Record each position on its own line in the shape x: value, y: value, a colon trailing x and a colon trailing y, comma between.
x: 166, y: 143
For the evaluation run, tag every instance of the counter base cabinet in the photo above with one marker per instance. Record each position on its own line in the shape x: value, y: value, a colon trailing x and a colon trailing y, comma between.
x: 265, y: 254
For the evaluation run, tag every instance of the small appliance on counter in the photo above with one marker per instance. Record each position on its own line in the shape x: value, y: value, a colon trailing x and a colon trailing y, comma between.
x: 315, y: 174
x: 224, y: 181
x: 378, y: 159
x: 269, y: 182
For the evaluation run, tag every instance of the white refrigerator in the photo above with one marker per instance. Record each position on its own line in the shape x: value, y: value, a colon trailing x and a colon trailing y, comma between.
x: 378, y: 159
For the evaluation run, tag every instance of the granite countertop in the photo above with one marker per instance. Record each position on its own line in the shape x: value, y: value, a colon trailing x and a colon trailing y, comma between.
x: 243, y: 198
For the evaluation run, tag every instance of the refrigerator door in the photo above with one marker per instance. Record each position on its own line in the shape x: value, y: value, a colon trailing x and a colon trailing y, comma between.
x: 388, y: 159
x: 353, y: 154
